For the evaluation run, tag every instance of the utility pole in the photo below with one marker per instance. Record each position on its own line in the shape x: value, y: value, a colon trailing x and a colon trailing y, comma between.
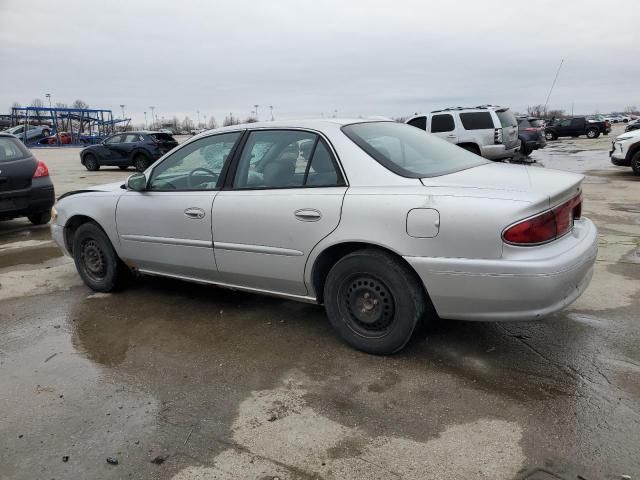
x: 122, y: 107
x: 145, y: 120
x: 152, y: 108
x: 271, y: 108
x: 198, y: 112
x: 256, y: 107
x: 53, y: 119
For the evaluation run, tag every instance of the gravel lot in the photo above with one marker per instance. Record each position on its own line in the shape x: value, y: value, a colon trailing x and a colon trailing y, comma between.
x: 182, y: 381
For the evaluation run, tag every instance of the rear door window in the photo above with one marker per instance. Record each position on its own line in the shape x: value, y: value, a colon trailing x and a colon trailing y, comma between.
x: 12, y: 149
x: 507, y: 119
x: 418, y: 122
x: 476, y: 120
x: 536, y: 123
x: 113, y: 140
x: 442, y: 123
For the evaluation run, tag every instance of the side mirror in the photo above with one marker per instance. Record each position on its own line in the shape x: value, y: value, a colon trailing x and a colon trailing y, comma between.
x: 137, y: 182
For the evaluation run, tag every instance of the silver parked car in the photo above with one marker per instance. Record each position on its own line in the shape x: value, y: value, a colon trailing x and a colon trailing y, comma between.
x: 384, y: 224
x: 33, y: 132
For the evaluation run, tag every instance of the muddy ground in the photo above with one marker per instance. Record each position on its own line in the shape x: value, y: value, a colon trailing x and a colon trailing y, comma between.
x: 181, y: 381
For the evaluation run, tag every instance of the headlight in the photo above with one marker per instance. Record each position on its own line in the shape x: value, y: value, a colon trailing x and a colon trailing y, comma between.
x: 54, y: 214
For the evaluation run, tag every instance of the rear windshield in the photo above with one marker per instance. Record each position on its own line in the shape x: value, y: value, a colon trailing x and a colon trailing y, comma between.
x: 476, y: 121
x: 12, y: 149
x: 408, y: 151
x: 163, y: 137
x: 507, y: 119
x: 537, y: 123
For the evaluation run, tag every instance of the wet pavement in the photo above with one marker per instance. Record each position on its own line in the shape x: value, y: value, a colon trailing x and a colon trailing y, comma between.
x: 182, y: 381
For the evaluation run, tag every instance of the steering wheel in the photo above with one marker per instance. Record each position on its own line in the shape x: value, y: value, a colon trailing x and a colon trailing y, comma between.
x: 200, y: 169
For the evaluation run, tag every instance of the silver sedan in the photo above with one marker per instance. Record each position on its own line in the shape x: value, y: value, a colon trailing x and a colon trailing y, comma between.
x: 382, y: 223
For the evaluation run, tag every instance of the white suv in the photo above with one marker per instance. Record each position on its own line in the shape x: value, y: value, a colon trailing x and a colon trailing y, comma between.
x: 625, y: 151
x: 488, y: 130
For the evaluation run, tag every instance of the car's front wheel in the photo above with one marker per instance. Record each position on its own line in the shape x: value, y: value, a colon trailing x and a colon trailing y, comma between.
x: 96, y: 260
x: 40, y: 218
x: 374, y: 301
x: 550, y: 136
x: 91, y: 162
x: 635, y: 163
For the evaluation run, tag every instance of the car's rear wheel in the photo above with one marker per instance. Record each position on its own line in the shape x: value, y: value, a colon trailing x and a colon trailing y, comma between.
x: 635, y: 163
x: 96, y: 260
x: 593, y: 133
x: 141, y: 162
x: 525, y: 150
x: 550, y: 136
x: 40, y: 218
x: 374, y: 301
x: 91, y: 162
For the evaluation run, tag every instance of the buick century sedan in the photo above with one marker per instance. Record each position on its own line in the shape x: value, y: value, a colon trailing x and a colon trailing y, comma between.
x: 382, y: 223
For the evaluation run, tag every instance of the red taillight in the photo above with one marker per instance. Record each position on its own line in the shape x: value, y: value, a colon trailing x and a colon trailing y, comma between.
x: 497, y: 136
x: 547, y: 226
x: 41, y: 170
x: 530, y: 129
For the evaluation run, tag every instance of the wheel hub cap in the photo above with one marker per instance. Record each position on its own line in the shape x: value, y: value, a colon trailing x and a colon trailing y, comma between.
x: 93, y: 259
x: 369, y: 304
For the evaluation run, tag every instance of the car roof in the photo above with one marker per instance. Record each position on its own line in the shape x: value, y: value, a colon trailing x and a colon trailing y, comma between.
x: 312, y: 124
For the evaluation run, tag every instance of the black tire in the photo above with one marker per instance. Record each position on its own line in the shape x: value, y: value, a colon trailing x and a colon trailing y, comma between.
x: 550, y: 136
x: 389, y: 297
x: 40, y: 218
x: 141, y: 162
x: 593, y: 133
x: 91, y: 162
x: 524, y: 150
x: 635, y: 163
x: 96, y: 260
x: 46, y: 133
x: 123, y: 167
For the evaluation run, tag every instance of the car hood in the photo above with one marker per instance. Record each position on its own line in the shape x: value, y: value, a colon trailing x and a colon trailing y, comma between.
x: 517, y: 182
x: 107, y: 187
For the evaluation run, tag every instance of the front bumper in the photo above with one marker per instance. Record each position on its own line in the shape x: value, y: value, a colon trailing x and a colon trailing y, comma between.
x: 527, y: 283
x: 57, y: 234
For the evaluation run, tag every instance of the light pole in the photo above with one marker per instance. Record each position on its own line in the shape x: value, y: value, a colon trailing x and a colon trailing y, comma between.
x: 256, y: 107
x: 122, y: 108
x: 198, y: 112
x: 145, y: 120
x: 271, y: 108
x: 152, y: 108
x: 205, y: 121
x: 53, y: 119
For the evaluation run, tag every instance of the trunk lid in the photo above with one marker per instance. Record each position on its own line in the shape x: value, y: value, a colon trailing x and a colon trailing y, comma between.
x: 515, y: 182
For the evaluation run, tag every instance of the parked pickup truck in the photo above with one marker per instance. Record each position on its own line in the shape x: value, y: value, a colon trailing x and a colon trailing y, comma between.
x: 574, y: 127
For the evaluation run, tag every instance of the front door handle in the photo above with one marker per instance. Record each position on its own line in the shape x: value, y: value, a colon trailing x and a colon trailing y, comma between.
x: 194, y: 213
x: 307, y: 215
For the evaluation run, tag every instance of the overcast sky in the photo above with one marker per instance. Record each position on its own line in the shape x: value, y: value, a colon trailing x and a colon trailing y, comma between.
x: 309, y: 58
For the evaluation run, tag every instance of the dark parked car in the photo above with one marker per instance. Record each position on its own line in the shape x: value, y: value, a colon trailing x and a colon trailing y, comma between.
x: 138, y: 149
x: 26, y: 189
x: 531, y: 134
x: 574, y: 127
x: 635, y: 125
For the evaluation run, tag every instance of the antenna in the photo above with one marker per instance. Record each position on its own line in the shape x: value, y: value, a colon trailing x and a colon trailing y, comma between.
x: 552, y: 85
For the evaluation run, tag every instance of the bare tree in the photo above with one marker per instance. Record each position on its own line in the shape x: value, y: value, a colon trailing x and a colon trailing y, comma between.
x: 37, y: 103
x: 400, y: 119
x: 230, y: 120
x: 187, y: 124
x: 211, y: 124
x: 16, y: 105
x: 555, y: 113
x: 61, y: 105
x: 80, y: 104
x: 536, y: 111
x: 250, y: 120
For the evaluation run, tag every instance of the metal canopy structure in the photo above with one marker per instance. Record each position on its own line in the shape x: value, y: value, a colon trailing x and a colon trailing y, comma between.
x: 84, y: 125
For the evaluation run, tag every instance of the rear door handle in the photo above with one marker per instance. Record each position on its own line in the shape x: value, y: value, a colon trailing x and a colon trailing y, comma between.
x: 307, y: 215
x: 194, y: 213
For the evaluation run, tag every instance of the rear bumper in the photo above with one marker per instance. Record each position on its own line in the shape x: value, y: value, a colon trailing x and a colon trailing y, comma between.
x: 21, y: 203
x: 529, y: 285
x: 498, y: 152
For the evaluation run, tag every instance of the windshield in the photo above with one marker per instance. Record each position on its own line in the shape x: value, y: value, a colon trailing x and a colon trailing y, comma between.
x: 409, y: 151
x: 507, y: 119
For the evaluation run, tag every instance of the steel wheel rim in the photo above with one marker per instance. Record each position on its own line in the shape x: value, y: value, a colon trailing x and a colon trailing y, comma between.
x: 93, y: 259
x: 367, y: 304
